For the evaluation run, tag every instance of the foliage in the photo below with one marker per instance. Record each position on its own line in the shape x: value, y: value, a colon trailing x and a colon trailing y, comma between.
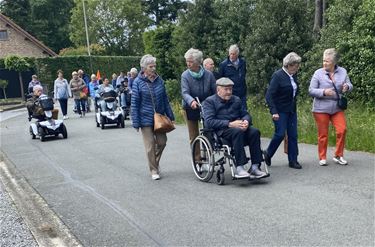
x: 16, y: 63
x: 358, y: 54
x: 288, y: 30
x: 163, y: 10
x: 117, y: 25
x: 158, y: 42
x: 47, y: 68
x: 95, y: 50
x: 340, y: 16
x: 173, y: 88
x: 48, y: 21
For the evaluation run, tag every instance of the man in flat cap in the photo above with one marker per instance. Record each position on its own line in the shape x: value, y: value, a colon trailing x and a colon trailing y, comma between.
x: 226, y: 114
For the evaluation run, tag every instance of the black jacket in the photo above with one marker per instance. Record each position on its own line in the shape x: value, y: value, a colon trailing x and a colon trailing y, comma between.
x: 279, y: 95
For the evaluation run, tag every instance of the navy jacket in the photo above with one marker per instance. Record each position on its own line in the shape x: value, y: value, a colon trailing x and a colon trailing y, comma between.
x: 142, y: 109
x: 217, y: 113
x: 237, y: 75
x: 279, y: 94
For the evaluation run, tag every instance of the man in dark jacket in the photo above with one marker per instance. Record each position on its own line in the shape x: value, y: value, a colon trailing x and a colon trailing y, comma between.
x: 225, y: 113
x: 234, y: 68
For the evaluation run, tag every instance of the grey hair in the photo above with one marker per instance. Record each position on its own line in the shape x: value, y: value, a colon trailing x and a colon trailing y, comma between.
x: 234, y: 48
x: 146, y: 60
x: 134, y: 70
x: 331, y: 52
x: 196, y: 54
x: 291, y: 59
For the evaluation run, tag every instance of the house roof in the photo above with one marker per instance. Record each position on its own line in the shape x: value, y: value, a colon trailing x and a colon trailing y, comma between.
x: 31, y: 38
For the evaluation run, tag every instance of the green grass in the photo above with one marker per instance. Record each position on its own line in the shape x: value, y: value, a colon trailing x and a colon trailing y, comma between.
x: 360, y: 124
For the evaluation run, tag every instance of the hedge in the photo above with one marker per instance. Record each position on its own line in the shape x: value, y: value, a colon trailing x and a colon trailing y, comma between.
x: 46, y: 68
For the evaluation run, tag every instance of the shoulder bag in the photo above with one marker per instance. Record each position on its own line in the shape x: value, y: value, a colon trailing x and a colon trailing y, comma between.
x: 342, y: 101
x: 162, y: 123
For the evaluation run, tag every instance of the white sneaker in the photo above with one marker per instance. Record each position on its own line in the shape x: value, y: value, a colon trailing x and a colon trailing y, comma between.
x: 340, y: 160
x: 323, y: 162
x: 66, y: 117
x: 241, y: 173
x: 155, y: 176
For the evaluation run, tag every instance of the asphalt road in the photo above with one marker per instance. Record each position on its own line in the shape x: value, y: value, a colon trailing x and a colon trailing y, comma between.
x: 97, y: 182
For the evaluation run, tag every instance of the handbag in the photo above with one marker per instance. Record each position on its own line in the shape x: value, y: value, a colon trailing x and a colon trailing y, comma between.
x: 342, y: 101
x: 162, y: 123
x: 82, y: 95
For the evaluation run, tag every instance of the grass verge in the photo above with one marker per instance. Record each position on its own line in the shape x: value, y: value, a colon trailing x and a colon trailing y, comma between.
x: 360, y: 134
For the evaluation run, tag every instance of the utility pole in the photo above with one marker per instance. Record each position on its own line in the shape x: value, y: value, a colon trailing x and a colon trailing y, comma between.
x: 87, y: 34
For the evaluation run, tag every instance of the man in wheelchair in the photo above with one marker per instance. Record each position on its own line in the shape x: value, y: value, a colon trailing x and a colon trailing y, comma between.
x: 224, y: 113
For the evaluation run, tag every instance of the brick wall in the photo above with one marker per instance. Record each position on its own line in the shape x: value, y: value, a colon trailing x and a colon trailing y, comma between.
x: 17, y: 45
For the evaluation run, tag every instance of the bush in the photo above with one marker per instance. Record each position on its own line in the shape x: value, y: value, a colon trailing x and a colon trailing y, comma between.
x: 95, y: 50
x: 173, y: 88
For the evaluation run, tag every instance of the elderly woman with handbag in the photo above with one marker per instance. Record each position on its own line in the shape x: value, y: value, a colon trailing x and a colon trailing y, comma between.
x: 196, y: 82
x: 150, y: 101
x: 327, y: 86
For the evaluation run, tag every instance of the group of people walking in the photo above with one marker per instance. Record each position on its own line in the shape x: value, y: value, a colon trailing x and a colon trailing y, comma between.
x: 223, y: 96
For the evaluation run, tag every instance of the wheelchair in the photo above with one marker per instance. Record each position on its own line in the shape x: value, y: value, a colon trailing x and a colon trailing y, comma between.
x: 214, y: 152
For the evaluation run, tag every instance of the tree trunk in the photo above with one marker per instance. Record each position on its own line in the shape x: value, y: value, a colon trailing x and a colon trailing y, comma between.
x: 324, y: 7
x: 21, y: 85
x: 318, y: 17
x: 5, y: 94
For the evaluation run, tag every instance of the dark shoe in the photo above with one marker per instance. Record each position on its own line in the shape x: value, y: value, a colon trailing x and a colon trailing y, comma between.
x: 267, y: 158
x: 295, y: 165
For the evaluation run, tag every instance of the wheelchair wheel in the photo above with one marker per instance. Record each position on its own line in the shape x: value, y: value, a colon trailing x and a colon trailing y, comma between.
x: 203, y: 166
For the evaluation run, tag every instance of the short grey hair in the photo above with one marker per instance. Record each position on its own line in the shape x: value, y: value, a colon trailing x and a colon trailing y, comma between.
x: 331, y: 52
x: 196, y: 54
x: 146, y: 60
x: 134, y: 70
x: 234, y: 48
x: 291, y: 59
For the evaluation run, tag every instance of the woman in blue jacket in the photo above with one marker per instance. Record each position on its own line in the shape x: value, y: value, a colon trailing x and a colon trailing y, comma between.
x: 148, y: 94
x: 281, y: 99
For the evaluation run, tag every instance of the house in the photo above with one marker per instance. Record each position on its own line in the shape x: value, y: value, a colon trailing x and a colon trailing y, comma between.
x: 16, y: 41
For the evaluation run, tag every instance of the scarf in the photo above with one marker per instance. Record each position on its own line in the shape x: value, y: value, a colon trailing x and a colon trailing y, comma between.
x: 197, y: 75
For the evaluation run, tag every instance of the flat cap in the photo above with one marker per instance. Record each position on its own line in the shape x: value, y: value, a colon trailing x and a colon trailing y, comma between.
x: 224, y: 82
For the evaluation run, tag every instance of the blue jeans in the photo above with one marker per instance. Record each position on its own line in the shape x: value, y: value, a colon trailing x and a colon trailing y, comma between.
x: 287, y: 123
x: 80, y: 103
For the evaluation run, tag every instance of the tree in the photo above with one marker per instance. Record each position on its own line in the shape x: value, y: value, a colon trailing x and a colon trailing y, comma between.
x: 340, y: 16
x: 48, y: 21
x: 158, y: 42
x: 278, y: 27
x: 358, y: 54
x: 116, y: 25
x: 319, y: 19
x: 163, y: 10
x: 18, y: 64
x: 4, y: 85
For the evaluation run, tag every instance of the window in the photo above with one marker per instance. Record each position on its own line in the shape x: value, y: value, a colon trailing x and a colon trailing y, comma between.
x: 3, y: 35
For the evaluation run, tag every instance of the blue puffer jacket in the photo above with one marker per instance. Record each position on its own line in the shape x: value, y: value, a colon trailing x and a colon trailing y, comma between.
x: 142, y: 109
x: 237, y: 75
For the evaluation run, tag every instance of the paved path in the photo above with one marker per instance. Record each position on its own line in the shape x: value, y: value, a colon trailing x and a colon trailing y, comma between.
x: 98, y: 183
